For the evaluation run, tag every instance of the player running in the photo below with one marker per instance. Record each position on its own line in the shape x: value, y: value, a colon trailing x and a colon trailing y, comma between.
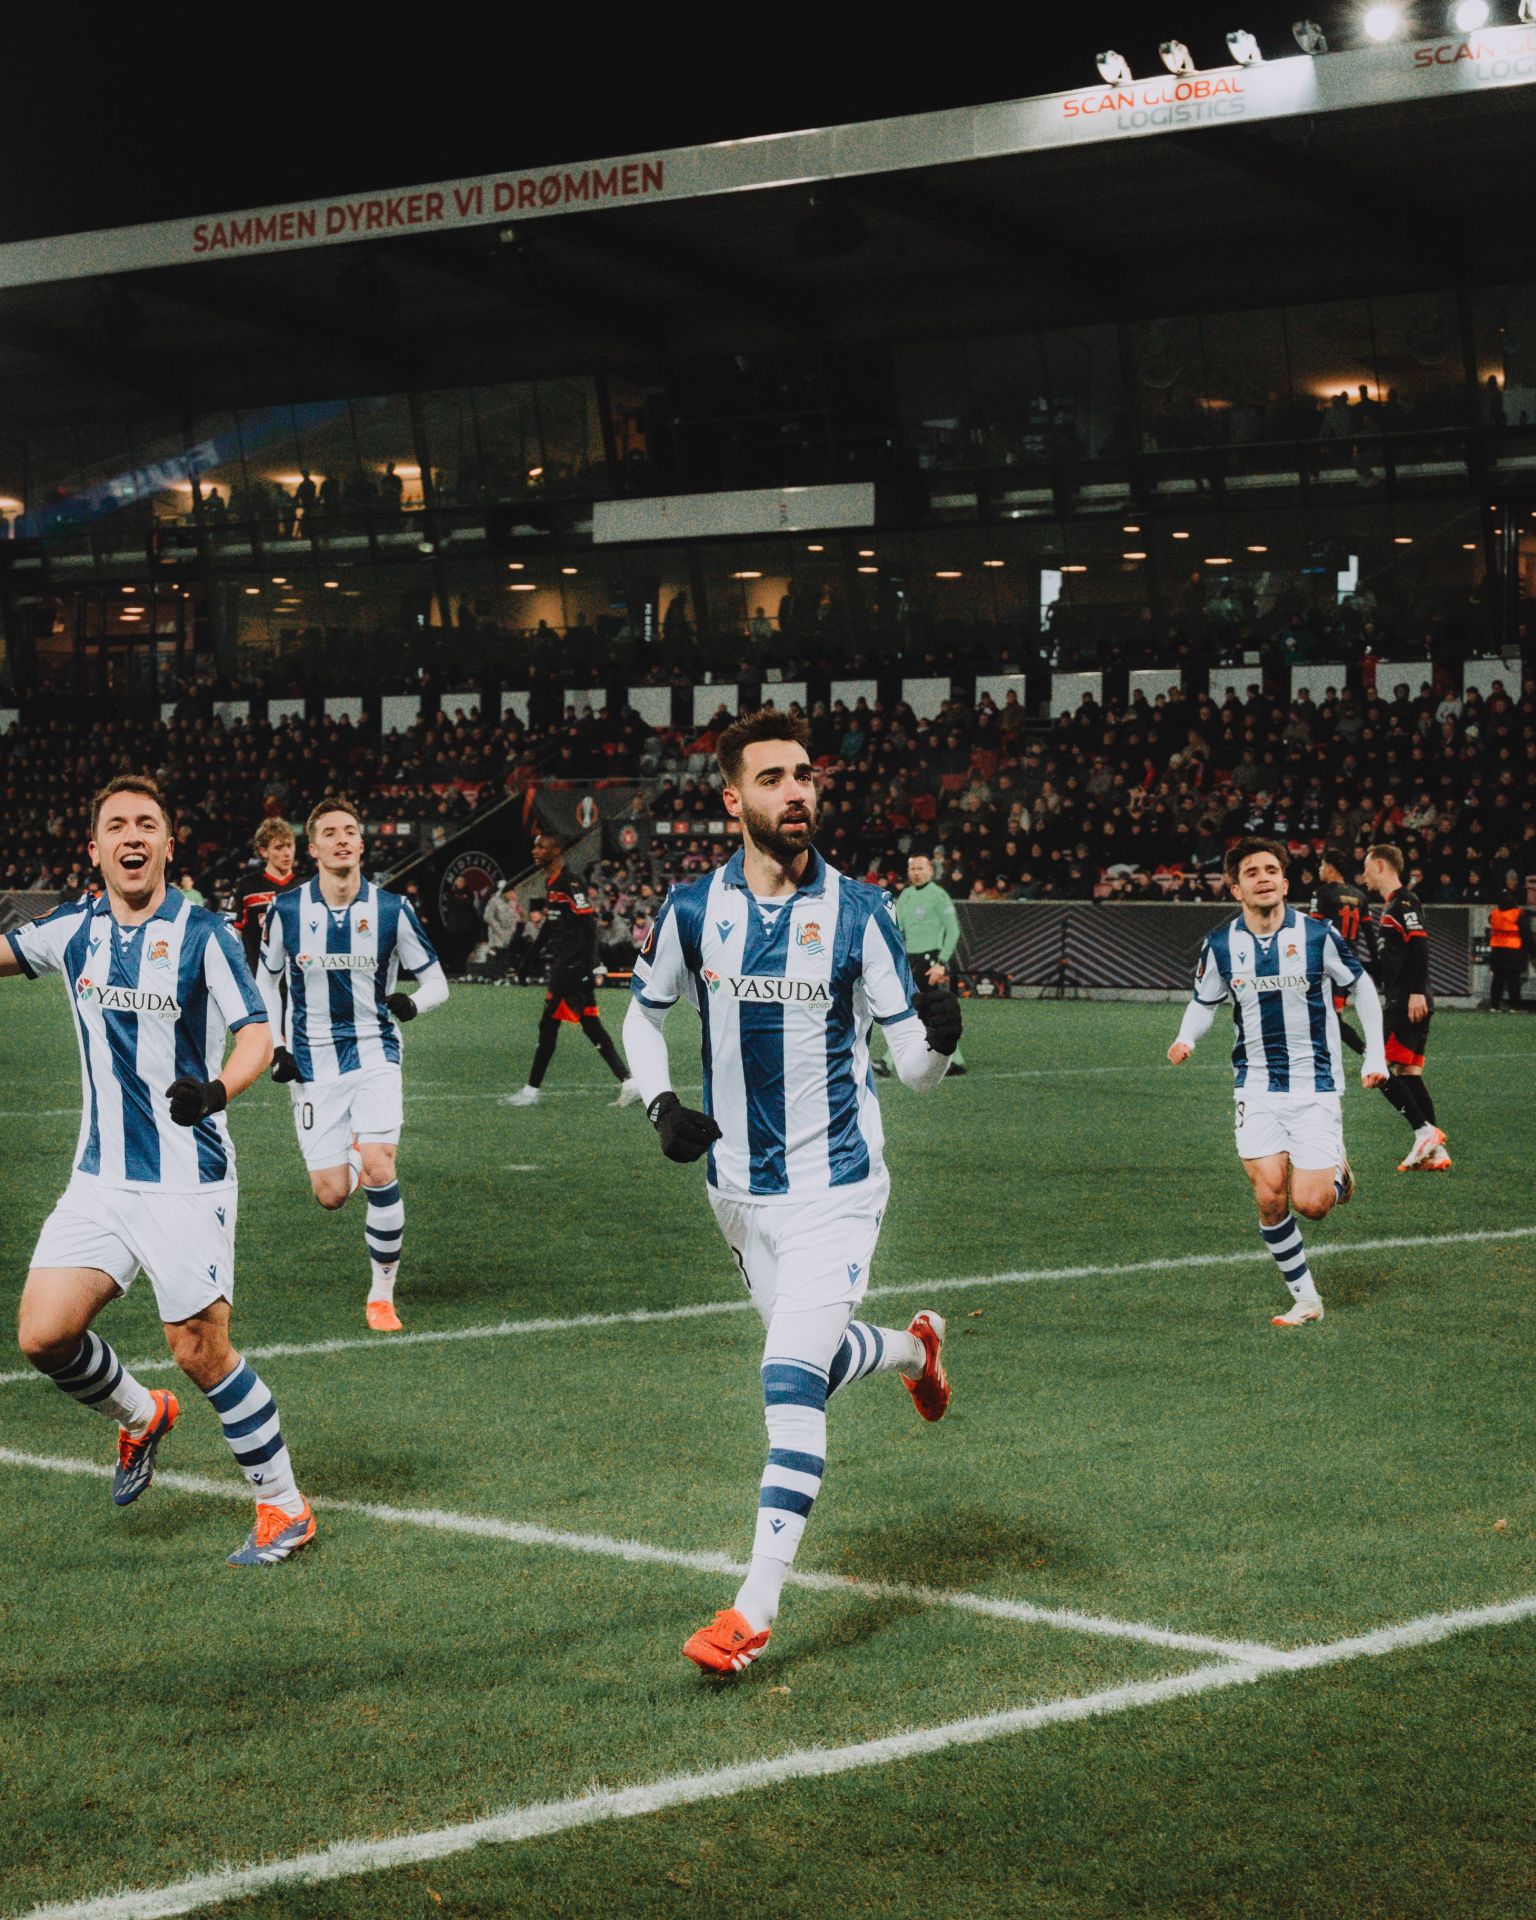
x: 155, y: 985
x: 273, y: 873
x: 787, y: 963
x: 1276, y: 969
x: 1346, y: 908
x: 341, y: 944
x: 1405, y: 989
x: 568, y: 944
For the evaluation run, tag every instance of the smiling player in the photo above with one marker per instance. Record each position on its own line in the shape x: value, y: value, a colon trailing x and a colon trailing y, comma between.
x: 1276, y: 969
x: 787, y: 964
x: 155, y: 987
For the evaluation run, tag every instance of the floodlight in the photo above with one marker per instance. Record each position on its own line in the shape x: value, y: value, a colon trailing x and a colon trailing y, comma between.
x: 1177, y: 58
x: 1470, y: 15
x: 1245, y: 50
x: 1114, y: 68
x: 1382, y: 22
x: 1310, y: 37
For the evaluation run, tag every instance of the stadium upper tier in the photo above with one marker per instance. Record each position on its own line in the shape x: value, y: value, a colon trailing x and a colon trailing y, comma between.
x: 1137, y: 797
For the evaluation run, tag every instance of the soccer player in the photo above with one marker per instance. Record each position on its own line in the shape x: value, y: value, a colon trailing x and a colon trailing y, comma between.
x: 787, y: 962
x: 260, y: 884
x: 1346, y: 908
x: 1276, y: 969
x: 155, y: 986
x: 930, y: 931
x: 341, y: 944
x: 568, y: 944
x: 1405, y: 989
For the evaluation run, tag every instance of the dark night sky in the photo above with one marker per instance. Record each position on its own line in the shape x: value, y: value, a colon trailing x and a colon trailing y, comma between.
x: 134, y: 122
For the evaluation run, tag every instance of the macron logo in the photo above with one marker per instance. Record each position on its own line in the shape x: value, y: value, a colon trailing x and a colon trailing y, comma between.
x: 777, y: 1525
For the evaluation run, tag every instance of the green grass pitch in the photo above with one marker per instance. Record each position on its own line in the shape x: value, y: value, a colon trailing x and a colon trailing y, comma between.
x: 1137, y: 1446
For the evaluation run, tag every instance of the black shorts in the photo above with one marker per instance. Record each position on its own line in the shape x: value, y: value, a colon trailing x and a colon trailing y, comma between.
x: 921, y: 962
x: 1407, y: 1040
x: 571, y: 997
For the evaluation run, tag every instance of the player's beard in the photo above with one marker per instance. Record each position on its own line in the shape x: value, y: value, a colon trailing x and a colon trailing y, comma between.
x: 767, y: 838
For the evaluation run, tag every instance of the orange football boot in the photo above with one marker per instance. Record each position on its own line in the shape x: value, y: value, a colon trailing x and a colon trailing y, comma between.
x: 727, y: 1644
x: 930, y: 1390
x: 383, y: 1318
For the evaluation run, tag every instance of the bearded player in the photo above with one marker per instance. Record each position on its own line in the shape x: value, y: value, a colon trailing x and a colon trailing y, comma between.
x: 787, y: 964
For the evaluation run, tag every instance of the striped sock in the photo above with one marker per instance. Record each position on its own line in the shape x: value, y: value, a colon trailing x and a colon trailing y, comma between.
x: 1284, y: 1242
x: 384, y: 1230
x: 249, y: 1417
x: 795, y: 1401
x: 97, y: 1378
x: 866, y: 1349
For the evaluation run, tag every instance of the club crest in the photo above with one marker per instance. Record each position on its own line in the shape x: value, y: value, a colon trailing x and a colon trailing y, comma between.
x: 809, y: 937
x: 160, y: 953
x: 362, y: 926
x: 1290, y: 952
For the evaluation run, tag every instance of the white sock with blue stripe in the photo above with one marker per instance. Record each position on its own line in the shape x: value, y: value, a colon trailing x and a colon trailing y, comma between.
x: 384, y: 1230
x: 97, y: 1378
x: 248, y: 1414
x: 866, y: 1350
x: 1284, y: 1242
x: 795, y: 1402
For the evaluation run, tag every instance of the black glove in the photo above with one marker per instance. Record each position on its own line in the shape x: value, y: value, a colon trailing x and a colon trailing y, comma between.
x: 939, y: 1011
x: 284, y: 1067
x: 193, y: 1100
x: 685, y: 1135
x: 401, y: 1005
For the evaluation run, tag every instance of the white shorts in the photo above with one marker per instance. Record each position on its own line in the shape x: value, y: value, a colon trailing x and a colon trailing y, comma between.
x: 1307, y: 1126
x: 328, y: 1115
x: 185, y: 1242
x: 804, y: 1253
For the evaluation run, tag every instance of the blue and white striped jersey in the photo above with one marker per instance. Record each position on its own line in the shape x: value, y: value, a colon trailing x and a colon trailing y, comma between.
x: 340, y: 963
x: 1280, y: 988
x: 152, y: 1003
x: 785, y: 992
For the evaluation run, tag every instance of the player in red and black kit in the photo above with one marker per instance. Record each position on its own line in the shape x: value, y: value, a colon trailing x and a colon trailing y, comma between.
x: 1409, y: 1008
x: 1347, y: 908
x: 274, y: 872
x: 568, y: 946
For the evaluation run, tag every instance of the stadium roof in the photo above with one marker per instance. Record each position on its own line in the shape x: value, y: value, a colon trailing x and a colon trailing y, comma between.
x: 1376, y: 170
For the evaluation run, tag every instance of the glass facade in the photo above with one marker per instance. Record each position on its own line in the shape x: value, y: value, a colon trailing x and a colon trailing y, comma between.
x: 1068, y: 496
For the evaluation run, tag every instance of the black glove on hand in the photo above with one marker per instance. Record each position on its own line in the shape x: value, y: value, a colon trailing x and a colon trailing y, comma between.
x: 685, y: 1135
x: 193, y: 1100
x: 401, y: 1005
x: 939, y: 1011
x: 284, y: 1067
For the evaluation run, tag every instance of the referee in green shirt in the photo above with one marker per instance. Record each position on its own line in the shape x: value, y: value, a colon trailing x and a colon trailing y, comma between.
x: 930, y: 931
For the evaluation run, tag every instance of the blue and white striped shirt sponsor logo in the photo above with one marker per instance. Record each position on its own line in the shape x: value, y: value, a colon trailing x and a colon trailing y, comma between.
x: 1280, y: 988
x: 786, y: 992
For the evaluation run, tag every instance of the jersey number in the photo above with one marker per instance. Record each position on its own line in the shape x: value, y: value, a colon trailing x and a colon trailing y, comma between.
x: 307, y: 1115
x: 1242, y: 1107
x: 1349, y: 922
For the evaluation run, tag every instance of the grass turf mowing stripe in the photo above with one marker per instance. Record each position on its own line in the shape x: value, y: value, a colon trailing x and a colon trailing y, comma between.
x: 524, y: 1534
x: 702, y: 1309
x: 347, y: 1859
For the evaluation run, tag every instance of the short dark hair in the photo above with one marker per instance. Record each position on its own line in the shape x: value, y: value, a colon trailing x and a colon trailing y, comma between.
x: 1247, y: 847
x: 331, y: 803
x: 1392, y: 855
x: 1337, y: 857
x: 131, y: 783
x: 768, y: 723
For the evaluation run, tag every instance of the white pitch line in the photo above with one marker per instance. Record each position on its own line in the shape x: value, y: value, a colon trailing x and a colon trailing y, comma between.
x: 523, y: 1534
x: 348, y: 1859
x: 705, y: 1309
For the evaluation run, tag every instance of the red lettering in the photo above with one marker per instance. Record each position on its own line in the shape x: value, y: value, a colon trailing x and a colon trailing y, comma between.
x: 631, y: 180
x: 307, y: 224
x: 375, y: 215
x: 549, y: 190
x: 503, y: 198
x: 265, y: 231
x: 464, y: 199
x: 652, y: 176
x: 413, y: 210
x: 200, y: 239
x: 435, y: 205
x: 240, y: 233
x: 527, y: 193
x: 335, y: 219
x: 577, y: 186
x: 605, y: 183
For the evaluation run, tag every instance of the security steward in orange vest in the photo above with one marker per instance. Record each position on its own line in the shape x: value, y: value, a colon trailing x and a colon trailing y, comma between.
x: 1509, y: 942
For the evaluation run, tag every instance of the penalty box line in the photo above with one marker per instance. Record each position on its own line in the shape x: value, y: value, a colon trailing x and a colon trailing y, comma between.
x: 524, y: 1534
x: 705, y: 1309
x: 349, y: 1859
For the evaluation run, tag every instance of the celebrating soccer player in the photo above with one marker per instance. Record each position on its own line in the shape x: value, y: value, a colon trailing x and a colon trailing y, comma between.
x: 787, y: 962
x: 568, y: 943
x: 156, y: 985
x: 341, y: 943
x: 1405, y: 988
x: 1276, y: 969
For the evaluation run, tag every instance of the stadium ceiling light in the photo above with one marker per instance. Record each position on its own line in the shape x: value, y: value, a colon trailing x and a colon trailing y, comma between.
x: 1258, y: 549
x: 1114, y: 68
x: 746, y: 574
x: 868, y: 569
x: 993, y: 563
x: 278, y: 580
x: 946, y: 573
x: 330, y: 583
x: 1131, y: 526
x: 1470, y: 15
x: 815, y: 549
x: 1382, y: 23
x: 1309, y: 36
x: 1402, y: 539
x: 866, y: 553
x: 1075, y: 567
x: 1245, y: 50
x: 1469, y: 546
x: 129, y: 589
x: 1181, y: 536
x: 1177, y: 58
x: 514, y: 566
x: 572, y: 570
x: 535, y: 473
x: 1218, y: 559
x: 1133, y: 556
x: 253, y: 589
x: 523, y: 586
